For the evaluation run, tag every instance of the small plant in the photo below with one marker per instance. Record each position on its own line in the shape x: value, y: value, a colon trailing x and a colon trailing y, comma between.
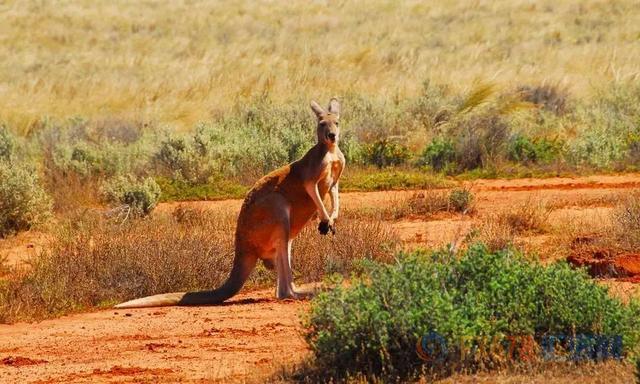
x: 528, y: 217
x: 439, y: 154
x: 461, y: 200
x: 23, y: 201
x: 526, y: 150
x: 385, y: 152
x: 141, y: 197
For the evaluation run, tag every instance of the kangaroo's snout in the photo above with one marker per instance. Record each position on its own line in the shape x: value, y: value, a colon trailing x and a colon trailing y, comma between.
x: 331, y: 136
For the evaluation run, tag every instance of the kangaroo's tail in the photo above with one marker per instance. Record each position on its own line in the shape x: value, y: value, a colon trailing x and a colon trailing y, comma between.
x: 242, y: 267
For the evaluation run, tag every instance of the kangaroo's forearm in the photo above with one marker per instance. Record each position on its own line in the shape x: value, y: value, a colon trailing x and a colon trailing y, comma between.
x: 312, y: 190
x: 335, y: 202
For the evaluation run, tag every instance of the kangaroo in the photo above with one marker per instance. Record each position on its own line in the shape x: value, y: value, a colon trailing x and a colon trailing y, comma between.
x: 274, y: 211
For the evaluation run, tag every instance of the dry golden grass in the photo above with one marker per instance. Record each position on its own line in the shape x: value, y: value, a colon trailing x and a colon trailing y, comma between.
x: 529, y: 217
x: 96, y: 261
x: 184, y: 61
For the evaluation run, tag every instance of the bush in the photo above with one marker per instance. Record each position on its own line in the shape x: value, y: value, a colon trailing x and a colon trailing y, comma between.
x: 384, y: 153
x: 551, y: 98
x: 438, y: 154
x: 371, y: 327
x: 461, y: 200
x: 481, y: 140
x: 537, y: 150
x: 7, y: 144
x: 23, y: 201
x: 180, y: 159
x: 141, y: 197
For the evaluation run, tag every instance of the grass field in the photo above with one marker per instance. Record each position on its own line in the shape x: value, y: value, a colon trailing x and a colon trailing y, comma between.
x: 113, y: 113
x: 182, y: 62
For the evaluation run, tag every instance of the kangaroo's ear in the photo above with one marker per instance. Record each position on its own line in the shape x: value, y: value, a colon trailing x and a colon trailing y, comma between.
x: 334, y: 106
x: 317, y: 109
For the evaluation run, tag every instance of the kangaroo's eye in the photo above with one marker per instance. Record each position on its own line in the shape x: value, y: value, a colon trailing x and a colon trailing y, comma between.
x: 337, y: 123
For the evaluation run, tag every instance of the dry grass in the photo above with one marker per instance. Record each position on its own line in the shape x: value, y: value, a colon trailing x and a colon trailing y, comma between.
x: 610, y: 234
x: 507, y: 228
x: 96, y: 261
x: 424, y: 204
x: 530, y: 217
x: 551, y: 373
x: 626, y: 218
x: 494, y: 232
x: 181, y: 62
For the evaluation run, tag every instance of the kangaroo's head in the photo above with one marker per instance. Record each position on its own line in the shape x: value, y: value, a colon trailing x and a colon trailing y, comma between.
x: 328, y: 129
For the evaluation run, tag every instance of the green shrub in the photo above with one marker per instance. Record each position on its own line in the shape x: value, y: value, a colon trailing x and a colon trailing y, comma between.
x: 538, y: 150
x: 23, y: 201
x: 385, y: 152
x: 141, y: 197
x: 371, y: 326
x: 179, y: 158
x: 438, y: 154
x: 461, y: 200
x: 480, y: 140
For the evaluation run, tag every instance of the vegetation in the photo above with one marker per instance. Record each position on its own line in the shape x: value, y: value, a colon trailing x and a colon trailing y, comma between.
x: 212, y: 119
x: 139, y: 197
x: 371, y: 326
x: 23, y: 201
x: 98, y: 261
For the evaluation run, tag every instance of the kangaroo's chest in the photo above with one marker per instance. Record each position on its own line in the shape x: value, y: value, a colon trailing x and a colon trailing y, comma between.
x: 329, y: 175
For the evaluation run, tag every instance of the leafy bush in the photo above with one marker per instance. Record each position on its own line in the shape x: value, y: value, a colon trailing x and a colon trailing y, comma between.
x: 371, y: 326
x: 461, y: 200
x: 537, y: 150
x: 384, y: 153
x: 23, y: 201
x: 181, y: 159
x: 141, y: 197
x: 438, y: 154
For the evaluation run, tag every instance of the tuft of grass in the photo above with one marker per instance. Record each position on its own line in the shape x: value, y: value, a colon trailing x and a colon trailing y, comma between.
x: 529, y: 217
x: 626, y: 219
x: 552, y: 98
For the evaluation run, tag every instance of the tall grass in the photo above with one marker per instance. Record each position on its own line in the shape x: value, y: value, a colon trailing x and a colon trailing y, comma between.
x: 183, y: 62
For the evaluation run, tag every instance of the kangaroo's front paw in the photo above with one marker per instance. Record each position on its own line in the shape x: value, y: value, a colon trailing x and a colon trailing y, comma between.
x: 324, y: 227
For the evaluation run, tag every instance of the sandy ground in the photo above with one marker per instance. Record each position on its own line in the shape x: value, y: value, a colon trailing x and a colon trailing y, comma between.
x: 252, y: 337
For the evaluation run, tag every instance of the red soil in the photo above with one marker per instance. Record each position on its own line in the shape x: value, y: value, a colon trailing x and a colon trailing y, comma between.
x: 253, y: 336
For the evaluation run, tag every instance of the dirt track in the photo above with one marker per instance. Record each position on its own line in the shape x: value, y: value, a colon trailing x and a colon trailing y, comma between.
x: 252, y: 336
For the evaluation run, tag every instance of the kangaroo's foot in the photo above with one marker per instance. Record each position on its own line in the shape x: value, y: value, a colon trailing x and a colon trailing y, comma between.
x: 296, y: 294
